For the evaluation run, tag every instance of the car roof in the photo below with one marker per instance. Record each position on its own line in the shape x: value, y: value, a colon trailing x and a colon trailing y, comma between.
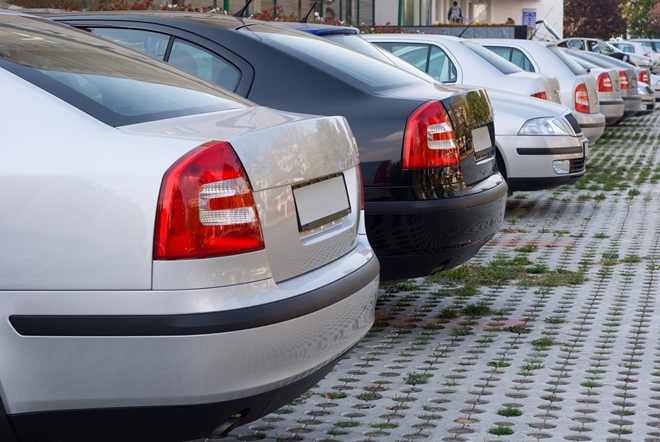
x: 320, y: 29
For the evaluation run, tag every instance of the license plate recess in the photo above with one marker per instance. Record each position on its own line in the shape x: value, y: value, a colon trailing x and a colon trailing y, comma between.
x: 320, y: 202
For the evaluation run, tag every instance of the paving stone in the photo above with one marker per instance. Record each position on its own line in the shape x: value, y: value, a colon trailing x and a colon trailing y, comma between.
x: 552, y: 362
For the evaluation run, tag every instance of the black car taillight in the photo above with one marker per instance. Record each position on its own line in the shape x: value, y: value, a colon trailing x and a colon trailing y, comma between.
x: 429, y: 139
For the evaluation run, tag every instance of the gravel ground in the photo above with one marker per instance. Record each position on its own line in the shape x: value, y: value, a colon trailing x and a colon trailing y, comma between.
x: 550, y: 332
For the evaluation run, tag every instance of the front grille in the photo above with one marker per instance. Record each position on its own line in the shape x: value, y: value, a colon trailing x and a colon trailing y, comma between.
x: 574, y: 123
x: 577, y: 165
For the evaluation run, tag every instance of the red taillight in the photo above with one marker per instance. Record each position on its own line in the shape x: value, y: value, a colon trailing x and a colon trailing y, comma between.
x: 429, y: 140
x: 604, y: 82
x: 624, y: 79
x: 581, y: 98
x: 540, y: 95
x: 205, y: 207
x: 643, y: 77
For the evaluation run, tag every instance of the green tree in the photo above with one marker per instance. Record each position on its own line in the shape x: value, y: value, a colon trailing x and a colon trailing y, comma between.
x: 636, y: 13
x: 593, y: 18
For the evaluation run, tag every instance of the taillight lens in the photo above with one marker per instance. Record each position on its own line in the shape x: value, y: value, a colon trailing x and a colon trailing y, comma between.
x: 429, y: 139
x: 359, y: 171
x: 624, y: 79
x: 205, y: 207
x: 581, y: 98
x: 604, y: 82
x: 643, y: 77
x: 541, y: 95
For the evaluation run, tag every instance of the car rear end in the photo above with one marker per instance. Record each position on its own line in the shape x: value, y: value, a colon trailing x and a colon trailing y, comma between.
x: 609, y: 91
x: 445, y: 188
x: 178, y: 262
x: 581, y: 95
x: 540, y: 145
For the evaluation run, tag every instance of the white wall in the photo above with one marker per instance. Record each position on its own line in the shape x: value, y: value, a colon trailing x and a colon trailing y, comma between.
x: 551, y: 10
x: 387, y: 11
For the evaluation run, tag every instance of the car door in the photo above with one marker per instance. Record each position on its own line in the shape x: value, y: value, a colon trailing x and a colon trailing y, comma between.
x: 427, y: 57
x: 184, y: 50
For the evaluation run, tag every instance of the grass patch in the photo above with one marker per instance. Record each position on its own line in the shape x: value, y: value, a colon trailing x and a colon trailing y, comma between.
x: 404, y: 286
x: 503, y: 270
x: 480, y: 308
x: 447, y: 313
x: 500, y: 431
x: 416, y: 378
x: 509, y: 412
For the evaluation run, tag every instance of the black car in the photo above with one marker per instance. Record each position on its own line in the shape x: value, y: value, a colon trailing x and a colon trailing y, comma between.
x: 432, y: 199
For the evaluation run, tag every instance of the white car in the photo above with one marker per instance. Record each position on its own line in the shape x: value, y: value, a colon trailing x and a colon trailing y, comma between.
x: 174, y: 260
x: 609, y: 89
x: 578, y: 89
x: 636, y: 47
x: 539, y: 144
x: 598, y: 46
x: 628, y: 75
x: 453, y: 60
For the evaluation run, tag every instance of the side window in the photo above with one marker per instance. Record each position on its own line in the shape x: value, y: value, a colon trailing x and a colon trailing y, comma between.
x: 441, y: 67
x: 503, y: 52
x: 204, y: 64
x: 415, y: 54
x: 520, y: 59
x: 150, y: 43
x: 575, y: 43
x: 604, y: 49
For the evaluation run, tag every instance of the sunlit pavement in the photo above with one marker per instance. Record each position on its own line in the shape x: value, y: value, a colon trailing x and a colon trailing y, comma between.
x: 562, y: 343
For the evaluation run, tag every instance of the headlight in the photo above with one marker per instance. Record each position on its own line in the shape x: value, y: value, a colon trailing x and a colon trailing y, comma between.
x: 546, y: 126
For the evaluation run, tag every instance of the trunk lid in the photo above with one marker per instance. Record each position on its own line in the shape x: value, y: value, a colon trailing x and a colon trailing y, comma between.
x: 304, y: 176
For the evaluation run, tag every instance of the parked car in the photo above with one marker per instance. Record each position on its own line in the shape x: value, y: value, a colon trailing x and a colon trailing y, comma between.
x: 453, y: 60
x: 174, y: 260
x: 539, y: 144
x: 627, y: 77
x: 599, y: 46
x: 432, y: 199
x: 636, y: 47
x: 578, y: 89
x: 609, y: 89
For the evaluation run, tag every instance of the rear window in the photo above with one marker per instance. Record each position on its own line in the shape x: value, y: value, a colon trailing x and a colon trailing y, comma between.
x: 573, y: 65
x: 115, y: 85
x: 500, y: 63
x: 353, y: 67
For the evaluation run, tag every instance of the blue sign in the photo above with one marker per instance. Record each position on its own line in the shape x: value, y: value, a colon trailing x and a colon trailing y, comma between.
x: 529, y: 17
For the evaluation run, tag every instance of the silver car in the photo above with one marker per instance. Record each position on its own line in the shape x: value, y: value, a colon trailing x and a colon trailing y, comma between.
x: 453, y: 60
x: 174, y: 260
x: 609, y: 89
x: 628, y: 75
x: 598, y: 46
x: 578, y: 89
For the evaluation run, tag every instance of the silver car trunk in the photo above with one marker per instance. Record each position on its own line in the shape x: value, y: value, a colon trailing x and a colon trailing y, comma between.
x: 316, y: 185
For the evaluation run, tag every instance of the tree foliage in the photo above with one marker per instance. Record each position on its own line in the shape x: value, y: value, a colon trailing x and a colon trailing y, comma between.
x: 593, y: 18
x: 636, y: 13
x: 654, y: 16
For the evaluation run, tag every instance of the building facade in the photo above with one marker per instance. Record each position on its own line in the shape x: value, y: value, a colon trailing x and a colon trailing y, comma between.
x: 413, y: 12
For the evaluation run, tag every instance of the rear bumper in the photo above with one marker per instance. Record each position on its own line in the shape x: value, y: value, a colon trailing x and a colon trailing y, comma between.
x: 417, y: 238
x: 613, y: 110
x: 593, y: 125
x: 176, y: 375
x: 529, y: 160
x: 633, y: 105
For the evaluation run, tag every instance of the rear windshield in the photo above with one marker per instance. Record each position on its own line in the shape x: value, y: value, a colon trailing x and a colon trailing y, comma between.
x: 112, y: 84
x: 350, y: 66
x: 573, y: 65
x: 502, y: 65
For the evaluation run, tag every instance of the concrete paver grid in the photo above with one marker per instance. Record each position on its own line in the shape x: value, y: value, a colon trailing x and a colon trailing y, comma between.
x: 545, y: 362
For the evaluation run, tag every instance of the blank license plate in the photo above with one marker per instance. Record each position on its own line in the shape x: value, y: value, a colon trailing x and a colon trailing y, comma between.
x: 321, y: 202
x: 481, y: 139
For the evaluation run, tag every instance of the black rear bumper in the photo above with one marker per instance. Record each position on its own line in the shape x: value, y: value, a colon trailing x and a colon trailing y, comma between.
x: 418, y: 238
